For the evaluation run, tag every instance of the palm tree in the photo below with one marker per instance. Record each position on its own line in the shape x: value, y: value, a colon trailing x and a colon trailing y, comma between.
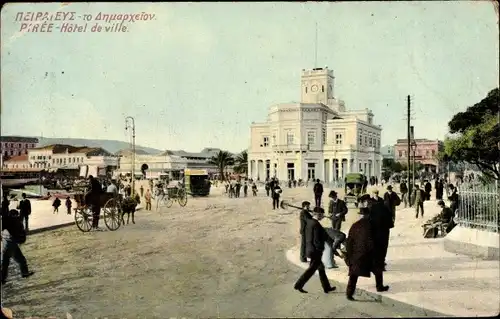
x: 222, y: 160
x: 241, y: 165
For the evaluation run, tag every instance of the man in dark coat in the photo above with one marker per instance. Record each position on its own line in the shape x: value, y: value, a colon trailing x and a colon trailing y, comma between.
x: 361, y: 254
x: 453, y: 198
x: 304, y: 216
x: 276, y: 189
x: 439, y: 189
x: 428, y: 189
x: 315, y: 244
x: 25, y: 210
x: 403, y: 189
x: 391, y: 200
x: 337, y: 209
x: 95, y: 200
x: 318, y: 192
x: 381, y: 219
x: 11, y: 240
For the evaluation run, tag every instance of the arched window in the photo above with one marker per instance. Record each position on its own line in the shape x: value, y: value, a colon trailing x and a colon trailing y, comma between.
x: 323, y: 88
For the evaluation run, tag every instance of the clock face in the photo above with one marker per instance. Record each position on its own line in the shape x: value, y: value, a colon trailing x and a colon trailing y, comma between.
x: 314, y: 88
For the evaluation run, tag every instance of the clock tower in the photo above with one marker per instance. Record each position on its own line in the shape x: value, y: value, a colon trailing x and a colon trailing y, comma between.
x: 317, y: 86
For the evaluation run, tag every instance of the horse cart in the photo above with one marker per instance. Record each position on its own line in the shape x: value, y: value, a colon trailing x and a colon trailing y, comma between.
x: 111, y: 211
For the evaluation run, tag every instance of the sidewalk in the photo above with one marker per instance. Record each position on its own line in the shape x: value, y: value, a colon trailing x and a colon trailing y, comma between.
x: 421, y: 273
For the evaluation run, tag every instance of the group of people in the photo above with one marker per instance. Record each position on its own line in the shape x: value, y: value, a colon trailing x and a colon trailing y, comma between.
x: 365, y: 245
x: 233, y: 188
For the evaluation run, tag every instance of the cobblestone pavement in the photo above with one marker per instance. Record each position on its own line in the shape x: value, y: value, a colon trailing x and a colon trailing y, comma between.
x: 217, y: 257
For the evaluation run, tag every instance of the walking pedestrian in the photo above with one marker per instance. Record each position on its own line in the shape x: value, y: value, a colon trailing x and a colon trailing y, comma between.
x: 318, y: 192
x: 304, y: 216
x: 315, y: 244
x: 245, y: 189
x: 56, y: 204
x: 11, y: 239
x: 25, y: 210
x: 68, y: 205
x: 360, y: 254
x: 142, y: 191
x: 419, y: 201
x: 404, y: 192
x: 276, y: 195
x: 148, y: 199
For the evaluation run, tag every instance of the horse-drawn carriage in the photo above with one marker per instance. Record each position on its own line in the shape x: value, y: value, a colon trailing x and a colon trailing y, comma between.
x: 111, y: 211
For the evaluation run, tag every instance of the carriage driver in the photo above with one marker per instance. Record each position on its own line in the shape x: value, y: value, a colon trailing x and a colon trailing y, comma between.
x: 95, y: 200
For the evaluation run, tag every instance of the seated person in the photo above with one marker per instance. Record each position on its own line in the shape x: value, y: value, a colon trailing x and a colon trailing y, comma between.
x: 444, y: 217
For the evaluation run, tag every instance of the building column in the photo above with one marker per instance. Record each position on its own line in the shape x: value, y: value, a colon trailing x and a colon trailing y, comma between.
x: 326, y: 171
x: 349, y: 168
x: 332, y: 170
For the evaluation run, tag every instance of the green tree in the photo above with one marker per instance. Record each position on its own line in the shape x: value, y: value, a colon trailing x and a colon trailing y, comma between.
x: 475, y: 136
x: 222, y: 160
x: 241, y: 163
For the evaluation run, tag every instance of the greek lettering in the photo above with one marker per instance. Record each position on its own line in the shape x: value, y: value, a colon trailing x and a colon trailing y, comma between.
x: 19, y: 16
x: 137, y: 16
x: 59, y: 16
x: 87, y: 17
x: 119, y: 17
x: 28, y: 16
x: 46, y: 16
x: 38, y: 15
x: 98, y: 17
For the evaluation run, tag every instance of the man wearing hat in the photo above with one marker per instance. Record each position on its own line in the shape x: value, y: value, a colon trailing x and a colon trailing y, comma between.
x: 337, y: 209
x: 391, y: 200
x: 360, y: 252
x: 315, y: 244
x: 381, y: 219
x: 304, y: 216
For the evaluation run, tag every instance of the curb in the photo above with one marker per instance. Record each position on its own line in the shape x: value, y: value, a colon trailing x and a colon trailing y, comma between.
x: 377, y: 297
x: 53, y: 227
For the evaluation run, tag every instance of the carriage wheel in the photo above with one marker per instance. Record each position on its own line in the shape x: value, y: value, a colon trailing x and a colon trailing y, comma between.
x: 182, y: 198
x: 162, y: 201
x: 112, y: 214
x: 83, y: 219
x: 169, y: 202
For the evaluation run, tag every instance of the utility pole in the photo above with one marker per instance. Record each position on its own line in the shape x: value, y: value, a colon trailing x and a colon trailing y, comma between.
x: 133, y: 151
x: 408, y: 137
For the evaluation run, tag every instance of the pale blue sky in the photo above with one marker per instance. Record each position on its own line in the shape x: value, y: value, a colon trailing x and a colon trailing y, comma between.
x: 200, y: 73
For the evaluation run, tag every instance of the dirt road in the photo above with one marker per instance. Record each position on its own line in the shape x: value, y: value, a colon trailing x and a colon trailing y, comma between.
x: 218, y: 257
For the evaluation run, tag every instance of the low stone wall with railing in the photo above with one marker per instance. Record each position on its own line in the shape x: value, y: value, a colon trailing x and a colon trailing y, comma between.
x: 479, y: 207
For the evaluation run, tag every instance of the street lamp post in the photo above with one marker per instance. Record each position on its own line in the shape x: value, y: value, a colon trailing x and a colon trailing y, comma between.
x: 413, y: 149
x: 132, y: 126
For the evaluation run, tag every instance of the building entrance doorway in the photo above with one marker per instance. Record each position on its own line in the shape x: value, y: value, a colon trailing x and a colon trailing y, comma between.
x: 291, y: 171
x: 311, y: 171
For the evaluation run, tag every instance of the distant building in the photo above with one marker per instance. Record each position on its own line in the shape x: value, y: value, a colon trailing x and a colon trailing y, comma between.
x: 387, y: 152
x: 169, y: 163
x: 60, y: 157
x: 426, y: 153
x: 19, y: 162
x: 316, y: 138
x: 16, y: 145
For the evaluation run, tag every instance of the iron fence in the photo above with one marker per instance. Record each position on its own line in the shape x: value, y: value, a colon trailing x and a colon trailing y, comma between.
x: 478, y: 206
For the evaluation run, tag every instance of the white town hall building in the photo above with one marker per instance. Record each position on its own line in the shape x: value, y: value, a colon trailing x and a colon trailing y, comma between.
x: 316, y: 138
